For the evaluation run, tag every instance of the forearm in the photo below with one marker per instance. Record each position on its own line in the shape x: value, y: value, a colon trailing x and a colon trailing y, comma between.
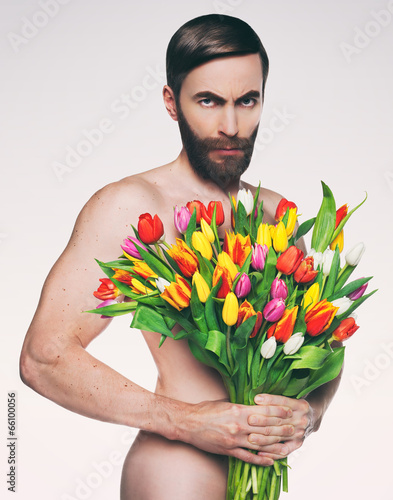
x: 81, y: 383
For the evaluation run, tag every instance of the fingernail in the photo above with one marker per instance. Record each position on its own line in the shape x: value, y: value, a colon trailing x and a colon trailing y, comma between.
x: 252, y: 420
x: 284, y: 450
x: 259, y: 399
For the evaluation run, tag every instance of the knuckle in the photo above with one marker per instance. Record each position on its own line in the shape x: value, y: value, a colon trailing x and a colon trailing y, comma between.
x: 235, y: 410
x: 234, y: 428
x: 304, y: 422
x: 304, y: 405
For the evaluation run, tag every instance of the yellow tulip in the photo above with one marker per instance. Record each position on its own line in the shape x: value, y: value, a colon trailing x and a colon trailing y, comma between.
x: 338, y: 240
x: 207, y: 231
x: 291, y: 221
x: 178, y: 293
x: 280, y: 239
x: 202, y: 287
x: 202, y: 244
x: 263, y: 235
x: 311, y: 297
x: 224, y: 260
x: 230, y: 310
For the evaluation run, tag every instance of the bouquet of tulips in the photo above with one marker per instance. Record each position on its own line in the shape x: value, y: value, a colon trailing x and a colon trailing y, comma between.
x: 251, y: 305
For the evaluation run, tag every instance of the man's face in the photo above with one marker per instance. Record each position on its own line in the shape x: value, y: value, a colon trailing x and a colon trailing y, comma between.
x: 219, y: 109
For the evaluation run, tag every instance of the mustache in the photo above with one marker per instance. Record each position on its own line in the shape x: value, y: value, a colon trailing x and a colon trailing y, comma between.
x: 229, y: 143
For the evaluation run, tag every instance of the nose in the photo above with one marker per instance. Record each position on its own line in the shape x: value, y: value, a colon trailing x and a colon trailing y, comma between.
x: 228, y: 122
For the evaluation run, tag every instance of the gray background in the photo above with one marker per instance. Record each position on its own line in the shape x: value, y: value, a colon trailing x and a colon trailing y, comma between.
x: 327, y: 116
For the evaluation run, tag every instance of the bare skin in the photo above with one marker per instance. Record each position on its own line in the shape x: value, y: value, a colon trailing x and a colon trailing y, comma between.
x: 188, y: 427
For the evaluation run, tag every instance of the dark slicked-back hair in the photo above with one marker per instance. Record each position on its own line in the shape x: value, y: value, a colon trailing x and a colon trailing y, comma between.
x: 209, y: 37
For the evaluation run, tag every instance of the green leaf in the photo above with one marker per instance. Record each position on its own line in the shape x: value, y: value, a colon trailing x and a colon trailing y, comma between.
x: 328, y: 372
x: 156, y: 264
x: 343, y: 277
x: 355, y: 305
x: 243, y: 332
x: 297, y: 383
x: 198, y: 311
x: 115, y: 309
x: 309, y: 357
x: 147, y: 318
x: 207, y: 358
x: 210, y: 308
x: 325, y: 221
x: 191, y: 228
x: 304, y: 228
x: 351, y: 287
x: 216, y: 342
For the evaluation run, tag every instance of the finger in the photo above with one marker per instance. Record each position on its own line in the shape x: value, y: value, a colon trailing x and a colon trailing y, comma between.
x: 252, y: 458
x: 267, y: 416
x: 274, y: 400
x: 270, y: 435
x: 280, y: 450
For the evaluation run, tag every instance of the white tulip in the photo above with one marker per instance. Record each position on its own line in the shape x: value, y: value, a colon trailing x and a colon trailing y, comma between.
x: 161, y: 283
x: 343, y: 304
x: 317, y: 258
x: 269, y: 348
x: 247, y: 199
x: 294, y: 343
x: 327, y: 259
x: 353, y: 256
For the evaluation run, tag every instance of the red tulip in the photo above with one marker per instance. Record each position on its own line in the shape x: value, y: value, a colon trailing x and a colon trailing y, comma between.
x: 305, y: 272
x: 345, y: 330
x: 282, y: 208
x: 207, y: 214
x: 197, y: 205
x: 340, y: 214
x: 289, y: 261
x: 107, y: 290
x: 283, y: 329
x: 319, y: 317
x: 150, y: 229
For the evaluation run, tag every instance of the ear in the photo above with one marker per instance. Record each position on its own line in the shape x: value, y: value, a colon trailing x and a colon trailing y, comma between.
x: 170, y: 102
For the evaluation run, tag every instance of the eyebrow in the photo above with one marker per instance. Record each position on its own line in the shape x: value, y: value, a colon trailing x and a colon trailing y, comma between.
x: 207, y: 94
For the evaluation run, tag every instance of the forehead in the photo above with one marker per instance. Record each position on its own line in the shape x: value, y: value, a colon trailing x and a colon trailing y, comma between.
x: 226, y: 75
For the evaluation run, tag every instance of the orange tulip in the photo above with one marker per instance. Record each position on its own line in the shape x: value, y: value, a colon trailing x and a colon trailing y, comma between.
x: 319, y: 317
x: 140, y: 288
x: 289, y: 261
x: 246, y: 311
x: 107, y: 290
x: 345, y: 330
x: 143, y: 270
x: 237, y: 247
x: 184, y: 257
x: 122, y: 276
x: 283, y: 329
x: 178, y: 294
x: 226, y: 285
x: 305, y: 272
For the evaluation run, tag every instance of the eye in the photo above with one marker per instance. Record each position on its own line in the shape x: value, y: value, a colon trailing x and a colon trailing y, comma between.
x: 207, y: 102
x: 248, y: 102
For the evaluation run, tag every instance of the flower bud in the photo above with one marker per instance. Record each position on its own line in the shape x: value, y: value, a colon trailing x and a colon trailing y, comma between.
x: 294, y: 343
x: 202, y: 287
x: 182, y: 217
x: 279, y: 289
x: 274, y: 309
x: 269, y: 348
x: 259, y: 253
x: 247, y: 199
x: 230, y: 310
x: 207, y: 231
x: 356, y: 294
x: 327, y: 259
x: 202, y: 244
x: 343, y: 304
x: 264, y: 236
x: 353, y: 256
x: 280, y: 239
x: 243, y: 286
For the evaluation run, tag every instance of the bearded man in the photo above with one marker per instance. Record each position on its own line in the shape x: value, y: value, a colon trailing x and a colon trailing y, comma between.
x: 216, y: 74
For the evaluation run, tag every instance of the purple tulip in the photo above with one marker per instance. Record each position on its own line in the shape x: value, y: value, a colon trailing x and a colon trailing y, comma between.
x: 243, y: 286
x: 182, y: 217
x: 279, y: 289
x: 130, y: 248
x: 259, y: 253
x: 356, y: 294
x: 105, y: 303
x: 274, y: 309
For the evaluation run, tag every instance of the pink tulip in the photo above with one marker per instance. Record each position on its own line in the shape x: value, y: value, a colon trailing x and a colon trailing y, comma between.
x: 356, y: 294
x: 274, y: 309
x: 182, y: 217
x: 259, y: 253
x: 243, y: 286
x: 279, y: 289
x: 130, y: 248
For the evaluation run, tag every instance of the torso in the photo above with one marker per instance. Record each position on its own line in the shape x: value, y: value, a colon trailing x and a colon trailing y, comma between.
x: 155, y: 467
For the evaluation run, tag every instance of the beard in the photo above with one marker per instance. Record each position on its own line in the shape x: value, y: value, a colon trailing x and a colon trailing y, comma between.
x: 221, y: 172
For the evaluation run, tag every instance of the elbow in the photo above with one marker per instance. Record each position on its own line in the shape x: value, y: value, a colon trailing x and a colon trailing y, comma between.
x: 34, y: 362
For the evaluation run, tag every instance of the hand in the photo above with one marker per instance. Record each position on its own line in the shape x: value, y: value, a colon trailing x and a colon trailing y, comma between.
x: 301, y: 422
x: 234, y: 429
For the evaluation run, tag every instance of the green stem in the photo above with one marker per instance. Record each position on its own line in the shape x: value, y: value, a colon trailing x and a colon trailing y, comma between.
x: 285, y: 476
x: 273, y: 483
x: 229, y: 351
x: 159, y: 251
x: 341, y: 272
